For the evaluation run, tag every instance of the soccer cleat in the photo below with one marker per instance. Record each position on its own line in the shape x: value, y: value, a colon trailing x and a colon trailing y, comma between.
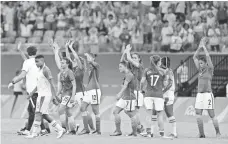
x: 173, y: 135
x: 202, y: 136
x: 140, y: 130
x: 44, y: 133
x: 25, y: 132
x: 96, y: 132
x: 61, y: 133
x: 116, y: 134
x: 132, y: 134
x: 218, y: 135
x: 84, y: 132
x: 161, y: 134
x: 77, y: 128
x: 31, y: 136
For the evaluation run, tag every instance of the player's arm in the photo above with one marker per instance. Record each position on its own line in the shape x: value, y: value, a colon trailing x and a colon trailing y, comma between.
x: 22, y: 75
x: 75, y: 55
x: 47, y: 73
x: 127, y: 80
x: 31, y: 94
x: 143, y: 80
x: 72, y: 78
x: 208, y: 58
x: 195, y: 57
x: 21, y: 52
x: 56, y: 49
x: 67, y: 51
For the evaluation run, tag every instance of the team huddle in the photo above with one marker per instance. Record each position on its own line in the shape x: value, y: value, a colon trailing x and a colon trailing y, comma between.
x: 152, y: 87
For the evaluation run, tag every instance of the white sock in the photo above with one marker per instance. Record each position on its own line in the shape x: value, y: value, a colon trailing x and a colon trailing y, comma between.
x: 36, y: 126
x: 173, y: 124
x: 153, y: 123
x: 56, y: 125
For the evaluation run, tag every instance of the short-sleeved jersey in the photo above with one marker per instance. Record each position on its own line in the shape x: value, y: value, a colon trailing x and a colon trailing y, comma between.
x: 204, y: 79
x: 137, y: 72
x: 170, y: 76
x: 79, y: 76
x: 128, y: 94
x: 155, y: 81
x: 93, y: 82
x: 66, y: 79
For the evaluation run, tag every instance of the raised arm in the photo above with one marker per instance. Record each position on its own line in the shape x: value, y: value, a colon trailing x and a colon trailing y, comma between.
x: 208, y: 58
x: 195, y: 57
x: 76, y: 57
x: 59, y: 88
x: 56, y: 49
x: 168, y: 81
x: 67, y: 51
x: 136, y: 64
x: 21, y: 52
x: 127, y: 80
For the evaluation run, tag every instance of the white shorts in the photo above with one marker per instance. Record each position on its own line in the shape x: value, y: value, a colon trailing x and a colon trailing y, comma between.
x: 169, y: 94
x: 139, y: 98
x: 79, y: 97
x: 154, y: 103
x: 93, y: 96
x: 66, y: 101
x: 128, y: 105
x: 204, y: 101
x: 42, y: 104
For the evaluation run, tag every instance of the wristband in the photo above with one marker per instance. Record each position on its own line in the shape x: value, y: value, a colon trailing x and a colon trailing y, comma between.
x: 13, y: 82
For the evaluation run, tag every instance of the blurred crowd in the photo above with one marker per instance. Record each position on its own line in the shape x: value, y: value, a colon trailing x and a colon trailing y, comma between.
x: 109, y: 26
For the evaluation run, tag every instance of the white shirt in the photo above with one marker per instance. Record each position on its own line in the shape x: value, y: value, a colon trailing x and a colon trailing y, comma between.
x: 171, y: 18
x: 17, y: 87
x: 29, y: 66
x: 214, y: 40
x: 164, y: 6
x: 26, y: 30
x: 176, y: 43
x: 180, y: 7
x: 183, y: 72
x: 166, y: 39
x: 152, y: 17
x: 43, y: 85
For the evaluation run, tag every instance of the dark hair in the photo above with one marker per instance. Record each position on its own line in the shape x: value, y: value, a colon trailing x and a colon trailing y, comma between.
x: 124, y: 63
x: 140, y: 59
x: 155, y: 59
x: 31, y: 50
x: 68, y: 62
x: 203, y: 58
x: 182, y: 62
x: 165, y: 62
x: 39, y: 57
x: 93, y: 55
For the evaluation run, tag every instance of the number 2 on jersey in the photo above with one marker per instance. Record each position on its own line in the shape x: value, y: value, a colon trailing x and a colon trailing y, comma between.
x: 154, y: 80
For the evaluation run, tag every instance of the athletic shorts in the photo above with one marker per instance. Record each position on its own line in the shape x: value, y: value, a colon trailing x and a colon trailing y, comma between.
x: 139, y: 98
x: 42, y: 104
x: 204, y: 101
x: 154, y: 103
x: 127, y: 105
x: 92, y: 96
x: 66, y: 101
x: 79, y: 97
x: 170, y: 95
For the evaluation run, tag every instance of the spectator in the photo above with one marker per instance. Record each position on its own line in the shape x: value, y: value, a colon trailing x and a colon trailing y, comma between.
x: 137, y: 38
x: 163, y: 8
x: 214, y: 38
x: 156, y: 38
x: 50, y: 17
x: 31, y: 16
x: 152, y: 15
x: 93, y: 39
x: 197, y: 13
x: 26, y: 29
x: 180, y: 8
x: 199, y: 29
x: 39, y: 19
x: 222, y: 16
x: 61, y: 19
x: 176, y: 42
x: 166, y: 33
x: 170, y: 17
x: 224, y: 41
x: 188, y: 38
x: 182, y: 76
x: 97, y: 17
x: 125, y: 38
x: 211, y: 19
x: 147, y: 30
x: 8, y: 13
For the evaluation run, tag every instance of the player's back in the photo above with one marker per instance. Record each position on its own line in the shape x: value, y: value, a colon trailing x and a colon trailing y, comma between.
x: 65, y: 79
x: 154, y: 83
x: 43, y: 85
x: 79, y: 76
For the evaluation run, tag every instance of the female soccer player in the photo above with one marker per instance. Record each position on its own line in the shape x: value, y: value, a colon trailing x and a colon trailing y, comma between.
x: 135, y: 62
x: 93, y: 95
x: 205, y: 97
x: 126, y: 101
x: 169, y: 89
x: 79, y: 66
x: 153, y: 100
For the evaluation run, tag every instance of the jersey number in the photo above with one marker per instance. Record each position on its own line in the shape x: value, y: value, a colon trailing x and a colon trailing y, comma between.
x: 209, y: 102
x: 154, y: 80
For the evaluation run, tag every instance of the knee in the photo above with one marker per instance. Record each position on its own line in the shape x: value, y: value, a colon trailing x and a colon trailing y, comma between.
x: 115, y: 112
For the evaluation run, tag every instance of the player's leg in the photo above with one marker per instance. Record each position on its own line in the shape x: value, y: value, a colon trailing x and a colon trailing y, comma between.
x: 14, y: 103
x: 83, y: 110
x: 153, y: 122
x: 96, y: 111
x: 139, y: 104
x: 159, y: 107
x: 72, y: 126
x: 148, y: 102
x: 117, y: 117
x: 199, y: 106
x: 211, y: 113
x: 132, y: 113
x: 62, y: 115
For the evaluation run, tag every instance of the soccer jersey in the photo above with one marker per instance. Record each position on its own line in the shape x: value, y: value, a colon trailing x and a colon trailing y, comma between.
x: 204, y: 79
x: 93, y: 76
x: 43, y: 85
x: 170, y: 76
x: 137, y: 72
x: 66, y: 78
x: 154, y: 80
x: 79, y: 75
x: 128, y: 94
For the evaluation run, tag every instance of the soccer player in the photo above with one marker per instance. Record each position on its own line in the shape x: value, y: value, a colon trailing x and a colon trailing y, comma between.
x: 169, y: 89
x: 135, y: 62
x: 93, y: 95
x: 126, y: 101
x: 205, y: 97
x: 154, y: 102
x: 44, y: 88
x: 67, y: 91
x: 29, y: 71
x: 78, y: 68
